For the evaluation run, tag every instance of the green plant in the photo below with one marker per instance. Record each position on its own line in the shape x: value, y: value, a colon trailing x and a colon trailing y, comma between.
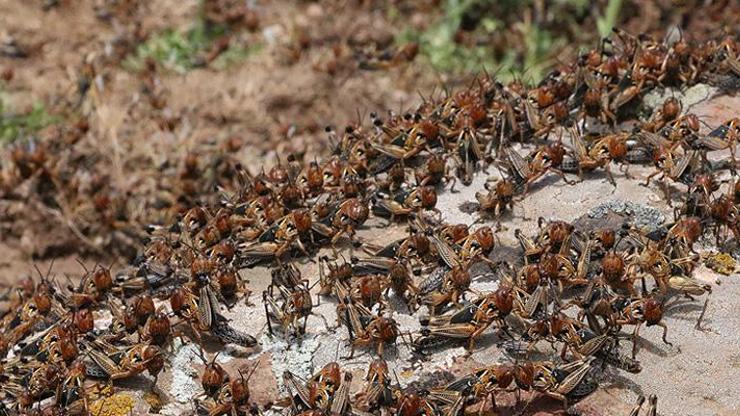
x: 606, y: 23
x: 182, y: 51
x: 14, y: 125
x: 515, y: 39
x: 438, y: 42
x: 538, y: 45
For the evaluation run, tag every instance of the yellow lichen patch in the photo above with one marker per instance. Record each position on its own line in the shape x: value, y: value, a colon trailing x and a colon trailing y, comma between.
x: 103, y: 391
x: 154, y: 401
x: 119, y: 404
x: 721, y: 263
x: 406, y: 374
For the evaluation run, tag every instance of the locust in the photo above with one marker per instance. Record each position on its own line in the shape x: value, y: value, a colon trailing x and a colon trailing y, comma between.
x: 296, y: 305
x: 379, y: 330
x: 678, y: 169
x: 525, y: 173
x: 376, y: 392
x: 133, y: 361
x: 599, y: 155
x: 405, y: 203
x: 566, y: 382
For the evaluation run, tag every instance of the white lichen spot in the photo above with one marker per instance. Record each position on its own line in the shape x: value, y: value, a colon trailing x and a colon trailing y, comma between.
x: 184, y: 376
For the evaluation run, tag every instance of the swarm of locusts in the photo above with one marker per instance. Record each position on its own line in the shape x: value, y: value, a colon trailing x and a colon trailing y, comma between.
x: 582, y: 291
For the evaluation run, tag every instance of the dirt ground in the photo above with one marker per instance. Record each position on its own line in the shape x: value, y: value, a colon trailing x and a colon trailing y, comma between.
x: 276, y: 101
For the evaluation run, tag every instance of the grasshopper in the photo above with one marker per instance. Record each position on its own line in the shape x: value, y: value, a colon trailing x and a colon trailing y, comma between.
x: 584, y: 343
x: 678, y: 169
x: 723, y: 137
x: 379, y: 330
x: 525, y: 173
x: 434, y: 171
x: 644, y: 310
x: 450, y: 332
x: 288, y: 231
x: 132, y: 361
x: 207, y: 318
x: 469, y: 150
x: 316, y: 392
x: 405, y: 203
x: 456, y: 282
x: 233, y: 396
x: 499, y: 198
x: 334, y: 273
x: 599, y: 155
x: 335, y: 219
x: 469, y: 321
x: 296, y: 305
x: 376, y: 392
x: 564, y: 382
x: 72, y: 387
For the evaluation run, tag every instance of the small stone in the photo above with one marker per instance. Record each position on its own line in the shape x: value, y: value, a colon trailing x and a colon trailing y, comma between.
x: 262, y: 383
x: 721, y: 263
x: 641, y: 216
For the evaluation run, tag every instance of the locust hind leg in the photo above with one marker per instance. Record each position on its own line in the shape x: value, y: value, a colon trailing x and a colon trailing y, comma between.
x: 560, y: 397
x: 303, y: 250
x: 666, y: 193
x: 701, y: 315
x: 625, y: 169
x: 733, y: 169
x: 665, y: 332
x: 610, y: 176
x: 562, y: 175
x: 351, y: 351
x: 651, y: 176
x: 328, y: 327
x: 635, y: 334
x: 636, y: 409
x: 483, y: 405
x: 267, y: 313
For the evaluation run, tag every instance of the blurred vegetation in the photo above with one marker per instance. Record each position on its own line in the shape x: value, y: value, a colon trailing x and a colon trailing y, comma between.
x: 181, y: 51
x: 608, y: 21
x: 13, y: 125
x: 515, y: 39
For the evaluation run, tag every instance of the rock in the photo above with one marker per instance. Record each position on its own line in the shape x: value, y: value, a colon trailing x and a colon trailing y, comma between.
x: 689, y: 98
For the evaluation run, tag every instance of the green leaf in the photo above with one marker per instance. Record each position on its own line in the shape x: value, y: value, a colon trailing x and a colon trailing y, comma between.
x: 606, y: 23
